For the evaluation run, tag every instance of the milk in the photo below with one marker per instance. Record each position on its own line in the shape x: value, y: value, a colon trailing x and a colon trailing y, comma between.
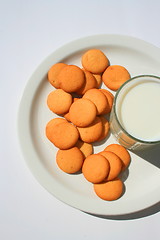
x: 138, y: 109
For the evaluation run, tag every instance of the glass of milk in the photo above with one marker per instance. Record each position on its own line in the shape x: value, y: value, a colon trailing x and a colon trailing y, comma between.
x: 135, y: 116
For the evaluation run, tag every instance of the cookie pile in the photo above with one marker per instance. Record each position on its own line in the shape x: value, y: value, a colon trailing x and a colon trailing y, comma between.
x: 103, y: 170
x: 82, y: 107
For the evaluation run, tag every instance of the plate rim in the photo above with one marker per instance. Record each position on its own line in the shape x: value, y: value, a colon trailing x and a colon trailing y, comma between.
x: 23, y: 117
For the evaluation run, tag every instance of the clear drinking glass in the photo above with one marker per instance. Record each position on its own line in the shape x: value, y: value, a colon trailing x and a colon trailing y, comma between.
x: 117, y: 128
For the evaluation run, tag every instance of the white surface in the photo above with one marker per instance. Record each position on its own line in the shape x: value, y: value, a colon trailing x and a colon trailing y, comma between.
x: 30, y: 31
x: 34, y: 115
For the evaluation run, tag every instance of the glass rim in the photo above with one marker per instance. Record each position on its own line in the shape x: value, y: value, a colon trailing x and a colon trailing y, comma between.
x: 115, y: 113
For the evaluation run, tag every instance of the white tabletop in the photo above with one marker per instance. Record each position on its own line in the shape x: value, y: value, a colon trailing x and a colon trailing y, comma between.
x: 30, y: 31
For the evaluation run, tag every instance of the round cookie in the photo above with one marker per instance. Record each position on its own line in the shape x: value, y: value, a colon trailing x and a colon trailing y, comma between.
x: 114, y: 76
x: 95, y: 61
x: 53, y: 74
x: 109, y: 97
x: 82, y: 112
x: 90, y: 82
x: 92, y: 132
x: 63, y: 135
x: 105, y: 128
x: 98, y: 78
x: 99, y: 99
x: 86, y: 148
x: 115, y: 164
x: 51, y: 126
x: 109, y: 190
x: 71, y: 78
x: 70, y: 161
x: 95, y: 168
x: 59, y: 101
x: 121, y: 152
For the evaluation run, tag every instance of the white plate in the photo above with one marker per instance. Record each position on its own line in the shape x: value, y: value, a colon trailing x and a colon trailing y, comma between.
x: 142, y: 185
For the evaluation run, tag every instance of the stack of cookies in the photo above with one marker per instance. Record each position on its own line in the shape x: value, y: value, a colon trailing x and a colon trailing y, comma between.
x: 81, y: 108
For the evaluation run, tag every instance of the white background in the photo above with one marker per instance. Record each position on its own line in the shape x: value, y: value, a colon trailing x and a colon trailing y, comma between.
x: 29, y: 31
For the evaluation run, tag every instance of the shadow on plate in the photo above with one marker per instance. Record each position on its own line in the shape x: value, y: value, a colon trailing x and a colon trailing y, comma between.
x: 152, y: 155
x: 131, y: 216
x: 124, y: 175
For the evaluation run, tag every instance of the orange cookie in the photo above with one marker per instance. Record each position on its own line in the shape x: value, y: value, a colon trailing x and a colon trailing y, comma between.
x: 63, y: 135
x: 105, y: 128
x: 51, y: 126
x: 121, y: 152
x: 115, y: 164
x: 54, y: 72
x: 70, y: 161
x: 114, y: 76
x: 109, y: 97
x: 90, y: 82
x: 95, y: 168
x: 98, y: 78
x: 109, y: 190
x: 71, y: 78
x: 86, y: 148
x: 82, y: 112
x: 92, y: 132
x: 59, y: 101
x: 95, y: 61
x: 99, y: 99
